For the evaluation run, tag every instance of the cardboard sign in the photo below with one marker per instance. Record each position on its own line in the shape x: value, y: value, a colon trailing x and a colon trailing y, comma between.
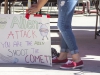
x: 25, y: 41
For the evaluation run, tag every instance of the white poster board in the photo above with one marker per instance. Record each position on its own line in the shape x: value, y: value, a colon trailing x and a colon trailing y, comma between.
x: 25, y: 41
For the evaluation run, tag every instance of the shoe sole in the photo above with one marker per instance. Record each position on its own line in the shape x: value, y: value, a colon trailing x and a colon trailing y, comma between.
x: 77, y: 68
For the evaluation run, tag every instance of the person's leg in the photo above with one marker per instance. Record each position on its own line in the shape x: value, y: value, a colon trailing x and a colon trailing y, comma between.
x: 68, y: 43
x: 63, y: 53
x: 66, y: 10
x: 64, y: 50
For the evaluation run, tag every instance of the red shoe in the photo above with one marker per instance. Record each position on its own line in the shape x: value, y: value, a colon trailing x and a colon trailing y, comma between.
x: 55, y: 60
x: 72, y: 65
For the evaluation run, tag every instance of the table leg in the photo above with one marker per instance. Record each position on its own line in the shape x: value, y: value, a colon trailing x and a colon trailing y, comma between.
x: 6, y: 7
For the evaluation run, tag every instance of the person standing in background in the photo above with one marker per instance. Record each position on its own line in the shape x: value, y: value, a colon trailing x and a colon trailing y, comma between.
x: 68, y: 43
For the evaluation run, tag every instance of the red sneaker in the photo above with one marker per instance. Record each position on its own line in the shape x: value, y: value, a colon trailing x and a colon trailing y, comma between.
x: 72, y: 65
x: 55, y: 60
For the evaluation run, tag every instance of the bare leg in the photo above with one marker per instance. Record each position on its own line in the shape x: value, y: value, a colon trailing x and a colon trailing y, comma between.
x: 75, y: 57
x: 62, y: 56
